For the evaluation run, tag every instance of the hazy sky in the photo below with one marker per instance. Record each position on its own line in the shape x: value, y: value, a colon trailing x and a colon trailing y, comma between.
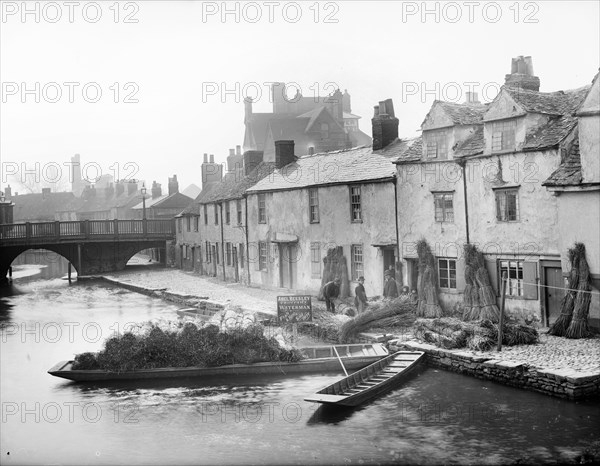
x: 169, y: 72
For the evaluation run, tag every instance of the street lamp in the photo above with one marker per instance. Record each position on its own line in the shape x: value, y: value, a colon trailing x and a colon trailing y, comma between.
x: 143, y: 200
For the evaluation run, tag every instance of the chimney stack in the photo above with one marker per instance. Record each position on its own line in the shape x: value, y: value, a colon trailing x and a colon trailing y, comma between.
x: 212, y: 173
x: 131, y: 187
x: 284, y: 153
x: 472, y: 98
x: 385, y: 125
x: 120, y: 188
x: 205, y: 158
x: 231, y: 152
x: 252, y: 158
x: 346, y: 101
x: 238, y: 150
x: 156, y: 190
x: 521, y: 76
x: 45, y: 192
x: 212, y: 158
x: 8, y: 192
x: 173, y: 185
x: 247, y: 109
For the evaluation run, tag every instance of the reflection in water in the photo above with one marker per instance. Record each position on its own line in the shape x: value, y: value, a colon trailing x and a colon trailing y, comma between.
x: 436, y: 417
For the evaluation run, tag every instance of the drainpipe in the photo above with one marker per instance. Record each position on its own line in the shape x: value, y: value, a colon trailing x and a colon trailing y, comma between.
x: 396, y: 221
x: 222, y: 242
x: 462, y: 164
x: 247, y: 242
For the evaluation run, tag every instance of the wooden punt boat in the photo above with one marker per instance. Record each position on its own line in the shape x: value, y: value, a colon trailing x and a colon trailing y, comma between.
x: 319, y: 359
x: 370, y: 382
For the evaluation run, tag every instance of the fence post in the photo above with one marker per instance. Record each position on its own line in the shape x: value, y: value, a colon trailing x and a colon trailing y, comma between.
x: 86, y: 228
x: 57, y: 229
x: 116, y: 228
x: 145, y: 226
x: 501, y: 319
x: 28, y: 230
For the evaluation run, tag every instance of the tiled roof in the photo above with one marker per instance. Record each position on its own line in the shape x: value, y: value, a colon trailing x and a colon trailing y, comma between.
x: 549, y: 134
x: 412, y: 152
x: 464, y: 114
x: 358, y: 138
x: 338, y: 167
x: 193, y: 208
x: 552, y: 103
x: 39, y: 207
x: 234, y: 188
x: 569, y: 171
x: 473, y: 145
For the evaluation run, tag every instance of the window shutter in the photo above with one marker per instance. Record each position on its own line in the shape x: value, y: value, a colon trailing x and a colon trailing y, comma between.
x: 460, y: 275
x: 492, y: 268
x: 530, y: 287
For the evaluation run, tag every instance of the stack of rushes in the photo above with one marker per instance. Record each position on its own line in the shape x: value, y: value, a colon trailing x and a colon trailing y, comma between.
x: 396, y: 311
x: 578, y: 328
x: 479, y: 298
x: 559, y: 328
x: 427, y: 283
x: 489, y: 308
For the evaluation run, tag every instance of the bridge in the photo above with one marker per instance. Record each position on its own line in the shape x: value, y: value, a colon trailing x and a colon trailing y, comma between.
x: 92, y: 246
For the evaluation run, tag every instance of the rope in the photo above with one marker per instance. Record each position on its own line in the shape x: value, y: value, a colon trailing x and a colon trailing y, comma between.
x: 555, y: 287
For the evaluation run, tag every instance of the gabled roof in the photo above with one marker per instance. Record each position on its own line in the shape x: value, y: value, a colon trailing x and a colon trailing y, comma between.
x: 459, y: 114
x: 549, y: 134
x: 413, y: 152
x: 473, y: 145
x: 550, y: 103
x: 192, y: 191
x: 358, y: 165
x: 166, y: 201
x: 399, y: 148
x: 234, y: 188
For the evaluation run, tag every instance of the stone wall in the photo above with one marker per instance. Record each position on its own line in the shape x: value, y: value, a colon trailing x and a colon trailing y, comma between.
x: 564, y: 383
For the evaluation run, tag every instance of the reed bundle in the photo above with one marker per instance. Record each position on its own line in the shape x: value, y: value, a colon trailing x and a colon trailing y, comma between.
x: 398, y: 311
x: 428, y: 304
x: 578, y: 328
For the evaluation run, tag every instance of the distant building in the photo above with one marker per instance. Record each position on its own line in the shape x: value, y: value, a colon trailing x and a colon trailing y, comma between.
x: 163, y: 206
x: 315, y: 124
x: 38, y: 207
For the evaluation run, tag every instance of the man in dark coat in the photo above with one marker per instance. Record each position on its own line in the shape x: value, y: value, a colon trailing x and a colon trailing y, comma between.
x: 331, y: 290
x: 390, y: 289
x: 360, y: 298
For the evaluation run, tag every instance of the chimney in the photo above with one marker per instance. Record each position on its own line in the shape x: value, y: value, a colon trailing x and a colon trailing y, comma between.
x: 278, y: 97
x: 132, y: 187
x: 212, y: 173
x: 346, y: 102
x: 205, y: 158
x: 472, y: 98
x: 45, y: 192
x: 311, y: 150
x: 284, y: 153
x: 235, y: 160
x: 156, y: 190
x: 212, y: 158
x: 521, y: 76
x: 119, y: 188
x: 173, y: 185
x: 385, y: 124
x: 231, y: 152
x: 8, y: 191
x: 238, y: 150
x: 247, y: 109
x: 252, y: 158
x: 335, y: 106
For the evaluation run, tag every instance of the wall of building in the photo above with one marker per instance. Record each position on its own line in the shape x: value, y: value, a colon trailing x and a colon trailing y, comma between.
x: 589, y: 148
x: 288, y: 214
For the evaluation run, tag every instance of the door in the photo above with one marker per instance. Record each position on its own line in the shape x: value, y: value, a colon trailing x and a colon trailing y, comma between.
x: 554, y: 292
x: 412, y: 273
x: 214, y: 260
x: 284, y: 266
x: 235, y: 263
x: 193, y: 264
x: 389, y: 259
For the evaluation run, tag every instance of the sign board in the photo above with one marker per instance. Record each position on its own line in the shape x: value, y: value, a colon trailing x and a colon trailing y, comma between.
x: 292, y: 309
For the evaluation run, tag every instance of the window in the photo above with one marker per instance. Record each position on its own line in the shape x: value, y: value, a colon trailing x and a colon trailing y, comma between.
x: 241, y: 253
x: 356, y: 256
x: 262, y: 209
x: 315, y: 260
x: 205, y: 214
x: 238, y: 205
x: 180, y: 225
x: 503, y: 135
x: 262, y: 255
x: 436, y: 146
x: 227, y: 213
x: 313, y: 203
x: 228, y: 253
x: 444, y: 207
x: 355, y: 207
x: 447, y: 273
x: 189, y: 223
x: 507, y: 205
x: 196, y: 222
x: 324, y: 131
x: 208, y: 259
x: 216, y: 214
x: 514, y: 272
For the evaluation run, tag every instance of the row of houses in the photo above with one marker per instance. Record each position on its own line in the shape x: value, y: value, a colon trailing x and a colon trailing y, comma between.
x: 519, y: 177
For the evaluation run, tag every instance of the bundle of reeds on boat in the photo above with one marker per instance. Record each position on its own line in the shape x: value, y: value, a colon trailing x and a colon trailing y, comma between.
x: 578, y: 328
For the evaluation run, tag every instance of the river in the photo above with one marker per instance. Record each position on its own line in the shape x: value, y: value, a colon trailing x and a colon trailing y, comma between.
x: 437, y: 417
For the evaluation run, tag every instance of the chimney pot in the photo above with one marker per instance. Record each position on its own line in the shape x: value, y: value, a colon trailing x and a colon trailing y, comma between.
x: 376, y: 112
x: 205, y: 158
x: 212, y: 158
x: 385, y: 124
x: 238, y: 150
x: 522, y: 76
x: 231, y: 152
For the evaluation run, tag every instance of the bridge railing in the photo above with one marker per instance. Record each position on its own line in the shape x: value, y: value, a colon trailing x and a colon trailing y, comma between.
x: 88, y: 229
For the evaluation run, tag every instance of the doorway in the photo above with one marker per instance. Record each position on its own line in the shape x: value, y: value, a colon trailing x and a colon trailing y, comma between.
x: 214, y: 260
x: 287, y: 265
x: 235, y: 263
x: 554, y: 292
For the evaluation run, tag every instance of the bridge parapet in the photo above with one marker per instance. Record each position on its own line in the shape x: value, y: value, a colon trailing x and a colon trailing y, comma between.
x: 88, y: 230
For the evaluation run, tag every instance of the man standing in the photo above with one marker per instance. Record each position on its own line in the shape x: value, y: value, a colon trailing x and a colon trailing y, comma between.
x: 331, y: 291
x: 360, y: 298
x: 390, y: 289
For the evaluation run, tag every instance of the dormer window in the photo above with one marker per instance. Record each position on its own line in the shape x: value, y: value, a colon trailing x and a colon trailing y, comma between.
x: 436, y: 145
x: 503, y: 135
